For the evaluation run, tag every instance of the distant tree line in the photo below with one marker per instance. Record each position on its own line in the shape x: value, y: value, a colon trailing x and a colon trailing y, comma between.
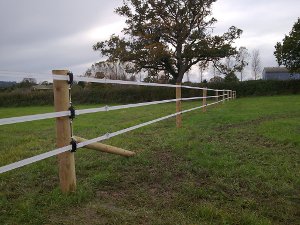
x: 6, y: 84
x: 112, y: 94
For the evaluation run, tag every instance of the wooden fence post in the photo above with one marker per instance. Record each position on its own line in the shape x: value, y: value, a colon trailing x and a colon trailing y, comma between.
x: 223, y: 96
x: 66, y: 160
x: 204, y: 100
x: 217, y: 94
x: 178, y: 106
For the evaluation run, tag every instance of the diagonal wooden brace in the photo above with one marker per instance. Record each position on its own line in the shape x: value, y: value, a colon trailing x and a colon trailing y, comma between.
x: 105, y: 148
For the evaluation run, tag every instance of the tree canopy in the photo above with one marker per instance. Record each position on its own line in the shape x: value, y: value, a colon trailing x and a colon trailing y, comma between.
x: 168, y: 35
x: 216, y: 79
x: 231, y: 77
x: 287, y: 53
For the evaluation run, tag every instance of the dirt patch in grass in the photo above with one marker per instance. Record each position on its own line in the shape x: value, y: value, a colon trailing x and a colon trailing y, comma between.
x: 253, y: 122
x: 133, y: 198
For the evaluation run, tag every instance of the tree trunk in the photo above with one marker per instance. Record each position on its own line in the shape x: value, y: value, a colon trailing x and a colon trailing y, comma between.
x: 181, y: 72
x: 179, y: 78
x: 201, y: 75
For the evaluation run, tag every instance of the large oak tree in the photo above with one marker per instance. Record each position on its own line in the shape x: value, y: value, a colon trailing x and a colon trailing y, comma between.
x: 168, y: 35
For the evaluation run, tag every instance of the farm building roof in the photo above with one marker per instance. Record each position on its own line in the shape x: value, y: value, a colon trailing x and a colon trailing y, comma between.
x: 276, y: 70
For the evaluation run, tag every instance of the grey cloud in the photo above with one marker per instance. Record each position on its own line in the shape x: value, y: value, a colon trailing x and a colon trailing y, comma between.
x: 39, y: 35
x: 42, y: 35
x: 35, y: 20
x: 40, y: 57
x: 264, y: 22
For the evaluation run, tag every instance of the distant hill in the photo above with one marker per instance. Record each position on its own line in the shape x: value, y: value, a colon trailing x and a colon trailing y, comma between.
x: 4, y: 84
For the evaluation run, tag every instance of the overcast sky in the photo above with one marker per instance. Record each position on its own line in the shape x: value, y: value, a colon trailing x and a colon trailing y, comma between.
x: 41, y: 35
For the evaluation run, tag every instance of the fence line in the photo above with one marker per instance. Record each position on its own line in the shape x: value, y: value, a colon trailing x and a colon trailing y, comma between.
x: 108, y: 81
x: 64, y: 118
x: 34, y: 159
x: 97, y: 80
x: 21, y: 119
x: 57, y: 151
x: 31, y: 75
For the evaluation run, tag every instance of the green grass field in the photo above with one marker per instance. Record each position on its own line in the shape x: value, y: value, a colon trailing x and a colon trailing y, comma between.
x: 238, y: 163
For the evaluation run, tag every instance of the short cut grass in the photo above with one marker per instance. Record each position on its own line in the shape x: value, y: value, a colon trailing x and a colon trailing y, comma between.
x: 238, y: 163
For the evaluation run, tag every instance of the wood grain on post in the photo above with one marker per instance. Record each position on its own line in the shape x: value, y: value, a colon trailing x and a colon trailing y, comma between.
x: 66, y: 160
x: 105, y: 148
x: 217, y: 94
x: 204, y: 100
x: 178, y: 106
x: 223, y: 96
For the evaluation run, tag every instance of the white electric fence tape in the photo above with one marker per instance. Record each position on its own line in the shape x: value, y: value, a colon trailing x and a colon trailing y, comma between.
x: 108, y: 81
x: 111, y: 108
x: 11, y: 74
x: 33, y: 159
x: 94, y: 80
x: 21, y: 119
x: 82, y: 144
x: 88, y: 79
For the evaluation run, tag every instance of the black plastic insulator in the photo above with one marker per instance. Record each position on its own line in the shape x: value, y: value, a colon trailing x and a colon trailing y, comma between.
x: 72, y: 112
x: 71, y: 78
x: 74, y: 145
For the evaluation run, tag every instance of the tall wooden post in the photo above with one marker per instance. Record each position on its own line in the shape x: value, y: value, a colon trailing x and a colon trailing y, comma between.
x: 217, y: 94
x: 228, y: 95
x: 178, y: 106
x: 223, y: 96
x: 204, y: 100
x: 66, y: 160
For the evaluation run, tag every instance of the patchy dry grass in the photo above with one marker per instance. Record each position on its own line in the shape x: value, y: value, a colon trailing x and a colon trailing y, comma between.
x: 236, y: 164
